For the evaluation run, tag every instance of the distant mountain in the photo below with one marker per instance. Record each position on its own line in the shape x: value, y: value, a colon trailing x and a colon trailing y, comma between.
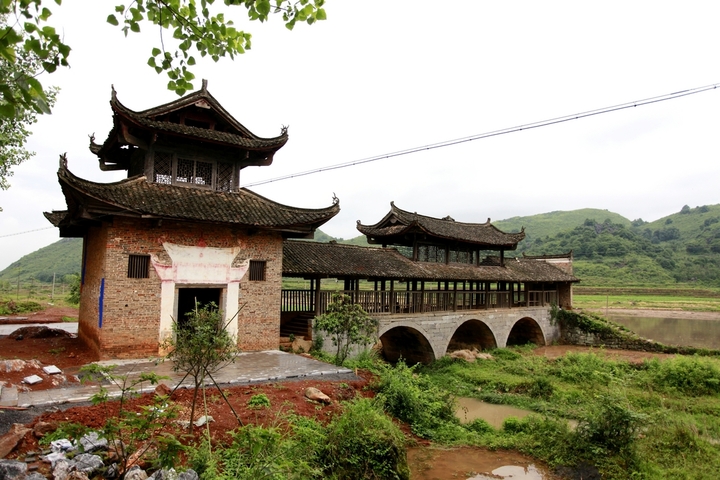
x: 60, y: 258
x: 608, y: 248
x: 548, y: 224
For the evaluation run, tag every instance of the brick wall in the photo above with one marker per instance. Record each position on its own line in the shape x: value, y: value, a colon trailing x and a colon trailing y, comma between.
x: 131, y: 316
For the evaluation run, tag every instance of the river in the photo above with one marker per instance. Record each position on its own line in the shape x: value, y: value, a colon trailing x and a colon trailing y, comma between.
x: 668, y: 328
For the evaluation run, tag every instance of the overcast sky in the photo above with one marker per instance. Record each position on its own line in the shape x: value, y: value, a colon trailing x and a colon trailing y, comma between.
x: 382, y: 76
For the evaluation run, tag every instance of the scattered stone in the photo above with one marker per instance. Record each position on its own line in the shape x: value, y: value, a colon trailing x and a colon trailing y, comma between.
x: 12, y: 470
x: 301, y: 345
x: 54, y: 457
x: 43, y: 428
x: 35, y: 476
x: 15, y: 365
x: 164, y: 475
x: 39, y: 332
x: 61, y: 469
x: 93, y: 442
x: 466, y: 355
x: 188, y: 474
x: 313, y: 393
x: 87, y: 463
x: 32, y: 379
x: 62, y: 445
x: 163, y: 390
x: 10, y: 440
x: 112, y: 471
x: 135, y: 473
x: 51, y: 370
x: 203, y: 420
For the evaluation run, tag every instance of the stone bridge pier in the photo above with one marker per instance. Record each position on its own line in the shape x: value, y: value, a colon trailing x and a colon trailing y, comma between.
x: 429, y: 336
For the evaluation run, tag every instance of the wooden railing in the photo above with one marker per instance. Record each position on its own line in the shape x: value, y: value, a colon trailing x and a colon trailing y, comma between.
x: 396, y: 302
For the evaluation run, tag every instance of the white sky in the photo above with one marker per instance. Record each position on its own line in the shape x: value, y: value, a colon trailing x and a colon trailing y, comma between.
x: 381, y: 76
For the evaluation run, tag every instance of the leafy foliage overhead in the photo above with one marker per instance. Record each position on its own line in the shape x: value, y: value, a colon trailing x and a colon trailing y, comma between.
x: 187, y: 28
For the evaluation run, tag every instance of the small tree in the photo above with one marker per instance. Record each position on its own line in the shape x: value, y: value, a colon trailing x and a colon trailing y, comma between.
x: 347, y: 324
x: 200, y: 347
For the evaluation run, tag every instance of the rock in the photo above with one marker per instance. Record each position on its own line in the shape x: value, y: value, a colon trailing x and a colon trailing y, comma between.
x: 61, y: 469
x: 15, y: 365
x: 10, y: 440
x: 135, y: 473
x: 188, y: 474
x: 75, y: 475
x: 92, y: 442
x: 203, y: 420
x: 484, y: 356
x: 314, y: 394
x: 466, y: 355
x: 35, y: 476
x: 53, y: 458
x: 87, y: 463
x: 43, y: 428
x: 164, y: 475
x: 12, y: 470
x: 61, y: 445
x: 112, y: 471
x: 163, y: 390
x: 301, y: 345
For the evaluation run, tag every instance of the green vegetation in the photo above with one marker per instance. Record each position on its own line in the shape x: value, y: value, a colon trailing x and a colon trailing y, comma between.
x: 688, y: 303
x: 633, y: 419
x: 348, y: 325
x: 61, y: 258
x: 13, y: 308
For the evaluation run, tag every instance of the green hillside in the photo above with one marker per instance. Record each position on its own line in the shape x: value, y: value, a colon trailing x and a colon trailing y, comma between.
x: 548, y: 224
x: 60, y: 258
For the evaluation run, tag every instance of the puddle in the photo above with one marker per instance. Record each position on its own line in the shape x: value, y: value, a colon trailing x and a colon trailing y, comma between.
x: 470, y: 409
x: 472, y: 464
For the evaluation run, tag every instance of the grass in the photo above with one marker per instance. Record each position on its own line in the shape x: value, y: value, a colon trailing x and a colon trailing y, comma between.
x: 686, y: 303
x: 649, y: 420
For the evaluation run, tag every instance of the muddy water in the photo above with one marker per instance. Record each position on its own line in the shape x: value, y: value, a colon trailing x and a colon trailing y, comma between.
x: 470, y: 408
x: 472, y: 464
x: 674, y: 331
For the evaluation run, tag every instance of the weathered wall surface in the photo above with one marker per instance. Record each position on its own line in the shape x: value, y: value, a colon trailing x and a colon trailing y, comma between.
x: 132, y: 306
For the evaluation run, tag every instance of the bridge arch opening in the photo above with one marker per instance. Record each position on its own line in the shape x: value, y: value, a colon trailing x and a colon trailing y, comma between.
x: 408, y: 343
x: 526, y: 330
x: 472, y: 334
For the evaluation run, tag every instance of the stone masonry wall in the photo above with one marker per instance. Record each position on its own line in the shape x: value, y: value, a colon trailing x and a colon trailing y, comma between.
x: 132, y: 306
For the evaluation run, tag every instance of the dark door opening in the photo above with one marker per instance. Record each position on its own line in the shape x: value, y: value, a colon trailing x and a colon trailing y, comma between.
x: 187, y: 298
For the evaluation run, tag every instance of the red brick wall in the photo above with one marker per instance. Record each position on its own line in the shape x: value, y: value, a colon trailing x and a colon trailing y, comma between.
x: 131, y: 318
x: 94, y: 267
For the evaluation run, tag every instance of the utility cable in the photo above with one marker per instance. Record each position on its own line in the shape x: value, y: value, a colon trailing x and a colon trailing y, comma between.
x: 495, y: 133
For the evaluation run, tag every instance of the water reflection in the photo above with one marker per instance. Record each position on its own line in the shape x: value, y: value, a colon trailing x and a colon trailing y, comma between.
x: 674, y: 331
x: 472, y: 464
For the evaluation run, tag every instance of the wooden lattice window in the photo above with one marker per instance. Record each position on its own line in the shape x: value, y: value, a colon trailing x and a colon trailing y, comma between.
x: 194, y: 171
x: 139, y: 266
x: 257, y: 270
x: 163, y: 168
x: 225, y: 177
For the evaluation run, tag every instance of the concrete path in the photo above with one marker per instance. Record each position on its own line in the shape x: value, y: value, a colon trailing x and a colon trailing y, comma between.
x: 251, y: 367
x: 7, y: 329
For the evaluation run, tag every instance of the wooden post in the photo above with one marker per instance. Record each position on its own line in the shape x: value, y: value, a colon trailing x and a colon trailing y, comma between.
x: 316, y: 297
x: 454, y: 296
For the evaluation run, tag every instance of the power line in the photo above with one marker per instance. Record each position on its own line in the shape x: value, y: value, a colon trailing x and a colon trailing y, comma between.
x: 27, y: 231
x: 495, y: 133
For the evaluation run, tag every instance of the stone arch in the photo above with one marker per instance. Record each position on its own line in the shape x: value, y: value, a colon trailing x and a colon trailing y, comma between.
x: 408, y: 343
x: 526, y: 330
x: 472, y: 334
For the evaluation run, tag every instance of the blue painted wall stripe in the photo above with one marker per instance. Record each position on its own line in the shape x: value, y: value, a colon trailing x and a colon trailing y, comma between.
x: 100, y: 303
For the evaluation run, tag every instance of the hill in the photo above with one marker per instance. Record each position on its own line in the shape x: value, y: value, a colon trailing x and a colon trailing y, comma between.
x: 609, y: 249
x: 60, y: 258
x: 548, y: 224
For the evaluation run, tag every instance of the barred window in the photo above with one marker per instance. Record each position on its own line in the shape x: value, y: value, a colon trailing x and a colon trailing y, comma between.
x: 257, y: 270
x: 139, y: 266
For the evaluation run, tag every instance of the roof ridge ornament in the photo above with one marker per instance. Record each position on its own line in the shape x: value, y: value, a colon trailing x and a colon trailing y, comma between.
x: 63, y: 160
x: 204, y: 85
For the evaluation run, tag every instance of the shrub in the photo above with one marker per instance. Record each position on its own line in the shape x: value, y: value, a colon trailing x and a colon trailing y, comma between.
x: 364, y: 443
x: 259, y: 401
x: 412, y: 398
x: 347, y: 324
x: 691, y: 375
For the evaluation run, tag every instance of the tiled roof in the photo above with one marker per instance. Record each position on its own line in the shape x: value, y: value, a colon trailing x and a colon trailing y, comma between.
x: 235, y: 133
x: 314, y: 259
x: 137, y: 197
x: 399, y: 222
